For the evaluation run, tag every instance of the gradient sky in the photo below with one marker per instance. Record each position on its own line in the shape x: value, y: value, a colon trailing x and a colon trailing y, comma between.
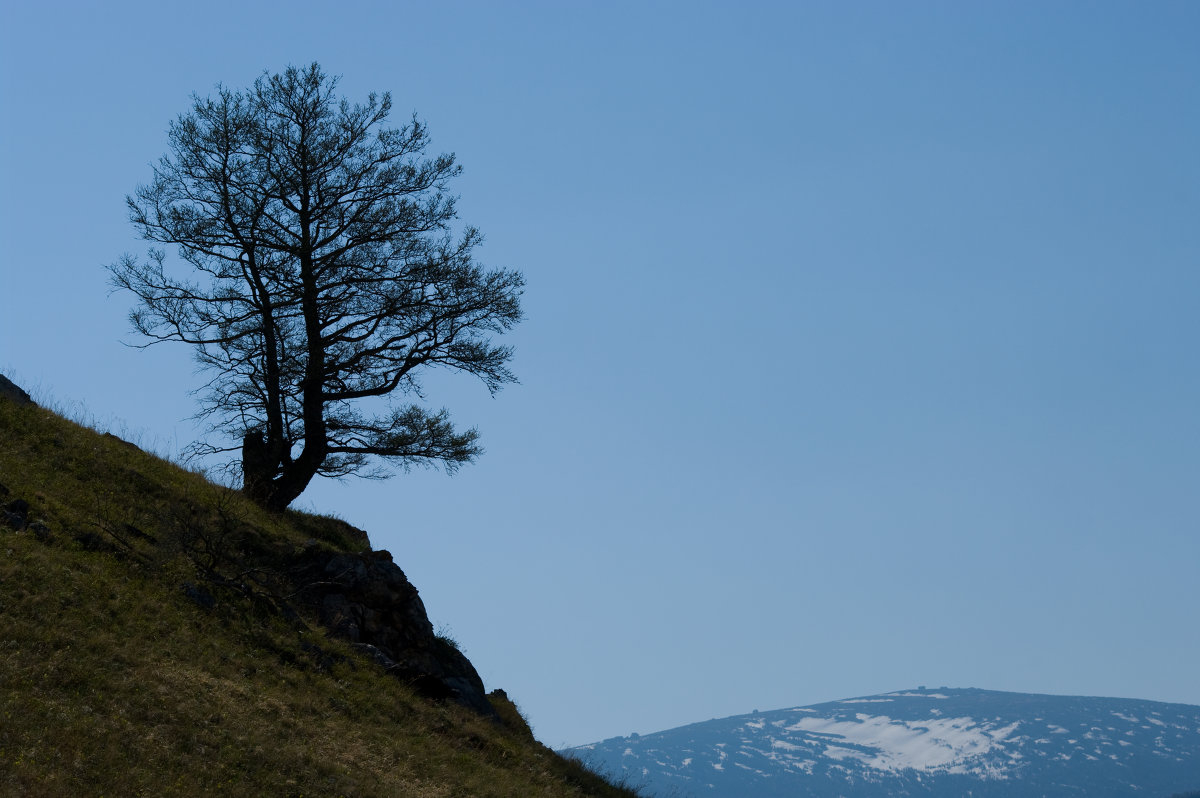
x: 862, y: 338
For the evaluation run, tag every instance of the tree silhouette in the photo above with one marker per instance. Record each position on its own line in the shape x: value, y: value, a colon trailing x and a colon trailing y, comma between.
x: 319, y: 276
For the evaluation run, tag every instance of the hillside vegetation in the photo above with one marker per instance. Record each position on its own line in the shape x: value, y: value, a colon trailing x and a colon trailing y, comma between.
x: 148, y: 646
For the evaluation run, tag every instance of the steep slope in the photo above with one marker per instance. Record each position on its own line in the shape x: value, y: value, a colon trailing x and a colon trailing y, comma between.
x: 159, y: 635
x: 944, y: 743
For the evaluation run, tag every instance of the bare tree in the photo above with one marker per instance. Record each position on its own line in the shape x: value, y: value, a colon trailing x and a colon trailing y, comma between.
x: 319, y: 276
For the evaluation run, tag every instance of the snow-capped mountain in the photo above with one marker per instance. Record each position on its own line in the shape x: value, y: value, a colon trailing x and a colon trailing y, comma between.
x: 943, y: 743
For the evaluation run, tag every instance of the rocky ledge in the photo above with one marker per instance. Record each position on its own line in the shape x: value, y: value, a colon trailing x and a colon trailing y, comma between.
x: 365, y: 598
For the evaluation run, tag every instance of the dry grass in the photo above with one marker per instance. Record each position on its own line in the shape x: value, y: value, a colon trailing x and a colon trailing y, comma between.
x: 114, y: 682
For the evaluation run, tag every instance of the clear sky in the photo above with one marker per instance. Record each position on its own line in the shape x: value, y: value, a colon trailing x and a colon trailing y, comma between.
x: 862, y: 338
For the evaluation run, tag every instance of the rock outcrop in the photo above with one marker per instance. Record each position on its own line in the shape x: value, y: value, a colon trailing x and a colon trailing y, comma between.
x: 12, y: 392
x: 365, y: 598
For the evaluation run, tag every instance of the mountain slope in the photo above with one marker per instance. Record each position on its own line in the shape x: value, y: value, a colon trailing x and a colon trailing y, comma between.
x: 943, y: 743
x: 159, y: 635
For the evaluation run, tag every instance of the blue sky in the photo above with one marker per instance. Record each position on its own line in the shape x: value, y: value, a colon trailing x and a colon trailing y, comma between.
x: 861, y: 339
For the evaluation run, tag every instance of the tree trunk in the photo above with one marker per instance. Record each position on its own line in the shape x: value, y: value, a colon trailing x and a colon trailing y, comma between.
x: 268, y: 481
x: 288, y: 487
x: 258, y: 471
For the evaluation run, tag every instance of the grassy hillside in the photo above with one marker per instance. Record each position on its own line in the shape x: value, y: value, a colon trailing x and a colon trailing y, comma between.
x: 147, y: 648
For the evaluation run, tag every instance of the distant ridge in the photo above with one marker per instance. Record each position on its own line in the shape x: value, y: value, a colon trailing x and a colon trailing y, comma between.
x: 943, y: 743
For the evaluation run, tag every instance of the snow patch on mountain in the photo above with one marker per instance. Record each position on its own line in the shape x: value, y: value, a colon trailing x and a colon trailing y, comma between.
x: 951, y: 745
x: 866, y: 701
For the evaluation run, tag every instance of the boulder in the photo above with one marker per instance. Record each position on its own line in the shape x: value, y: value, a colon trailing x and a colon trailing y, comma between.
x: 15, y: 514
